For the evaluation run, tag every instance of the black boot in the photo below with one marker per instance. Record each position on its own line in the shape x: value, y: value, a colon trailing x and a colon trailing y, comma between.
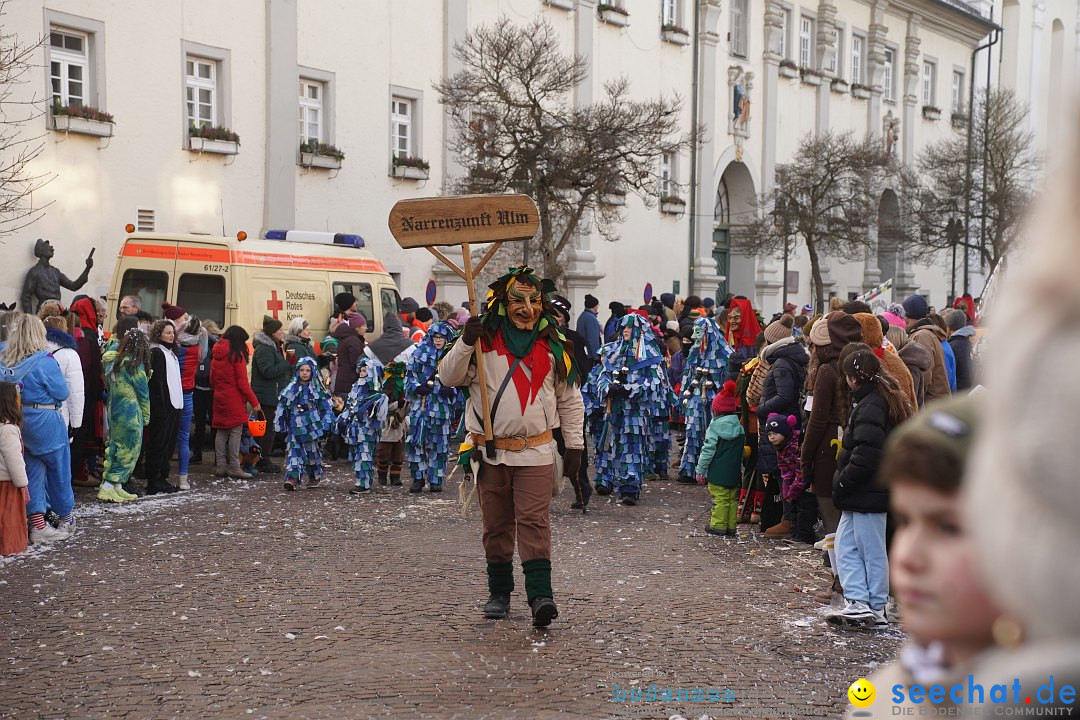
x: 395, y: 479
x: 382, y: 478
x: 500, y: 585
x: 543, y: 611
x: 417, y: 486
x: 497, y: 607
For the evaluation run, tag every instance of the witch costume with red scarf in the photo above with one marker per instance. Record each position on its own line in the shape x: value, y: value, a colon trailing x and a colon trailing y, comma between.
x: 531, y: 381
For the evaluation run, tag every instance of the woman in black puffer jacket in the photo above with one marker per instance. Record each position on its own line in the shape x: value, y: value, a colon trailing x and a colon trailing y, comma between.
x: 879, y: 405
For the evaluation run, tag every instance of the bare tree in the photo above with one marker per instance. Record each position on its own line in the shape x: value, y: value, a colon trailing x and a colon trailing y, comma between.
x: 825, y: 197
x: 516, y: 129
x: 17, y: 150
x: 1003, y: 168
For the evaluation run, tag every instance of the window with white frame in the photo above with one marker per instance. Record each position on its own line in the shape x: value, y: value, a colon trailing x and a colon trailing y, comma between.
x: 785, y: 25
x: 929, y: 71
x: 957, y: 91
x: 69, y: 67
x: 401, y: 127
x: 667, y: 175
x: 670, y: 13
x: 856, y: 59
x: 838, y: 49
x: 806, y: 38
x: 201, y: 91
x: 887, y: 77
x: 312, y: 109
x: 739, y: 19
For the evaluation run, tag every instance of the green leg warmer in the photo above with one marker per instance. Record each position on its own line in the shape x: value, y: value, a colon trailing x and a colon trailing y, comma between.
x: 537, y: 578
x: 501, y: 577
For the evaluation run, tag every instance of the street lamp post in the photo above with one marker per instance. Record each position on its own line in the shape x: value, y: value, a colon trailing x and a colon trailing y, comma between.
x: 954, y: 230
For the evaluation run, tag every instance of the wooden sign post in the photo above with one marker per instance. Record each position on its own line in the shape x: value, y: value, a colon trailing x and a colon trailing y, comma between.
x: 466, y: 220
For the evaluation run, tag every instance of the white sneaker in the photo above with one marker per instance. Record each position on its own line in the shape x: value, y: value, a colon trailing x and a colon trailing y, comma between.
x: 879, y: 618
x: 47, y: 534
x: 892, y: 610
x: 820, y: 544
x: 184, y: 484
x: 853, y: 613
x: 68, y: 528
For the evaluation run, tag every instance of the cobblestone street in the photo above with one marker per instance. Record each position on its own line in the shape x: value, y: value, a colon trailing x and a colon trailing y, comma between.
x: 238, y: 599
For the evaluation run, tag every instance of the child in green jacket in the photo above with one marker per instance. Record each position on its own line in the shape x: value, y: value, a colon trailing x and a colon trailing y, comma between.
x: 720, y: 462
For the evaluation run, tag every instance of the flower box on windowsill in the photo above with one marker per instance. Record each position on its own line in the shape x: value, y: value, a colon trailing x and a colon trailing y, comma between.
x: 561, y: 4
x: 613, y: 15
x: 788, y: 69
x: 412, y: 172
x: 811, y: 76
x: 930, y: 112
x: 860, y: 91
x: 840, y: 87
x: 82, y: 126
x: 616, y: 199
x: 672, y: 205
x: 675, y: 35
x: 959, y: 120
x: 314, y: 160
x: 206, y: 145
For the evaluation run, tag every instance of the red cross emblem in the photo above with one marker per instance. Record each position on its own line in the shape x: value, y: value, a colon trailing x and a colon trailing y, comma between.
x: 273, y: 304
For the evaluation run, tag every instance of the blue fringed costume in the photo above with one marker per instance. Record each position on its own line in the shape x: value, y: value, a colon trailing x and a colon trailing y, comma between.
x: 361, y: 422
x: 432, y: 408
x: 706, y: 368
x: 305, y: 414
x: 634, y: 388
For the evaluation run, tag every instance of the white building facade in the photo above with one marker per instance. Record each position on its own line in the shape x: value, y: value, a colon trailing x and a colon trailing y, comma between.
x: 282, y: 74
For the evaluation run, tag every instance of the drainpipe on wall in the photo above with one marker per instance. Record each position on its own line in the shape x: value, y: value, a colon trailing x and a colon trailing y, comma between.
x: 694, y: 100
x: 995, y: 37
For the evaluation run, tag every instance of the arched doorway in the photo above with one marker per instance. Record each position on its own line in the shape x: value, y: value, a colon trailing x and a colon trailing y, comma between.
x: 734, y: 206
x: 888, y: 235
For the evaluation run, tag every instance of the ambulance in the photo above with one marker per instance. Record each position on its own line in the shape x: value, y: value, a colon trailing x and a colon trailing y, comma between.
x: 237, y: 281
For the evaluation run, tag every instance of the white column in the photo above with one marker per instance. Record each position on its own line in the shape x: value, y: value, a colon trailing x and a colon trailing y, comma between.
x: 825, y: 52
x: 912, y: 77
x: 706, y: 281
x: 279, y: 195
x: 582, y: 273
x: 1038, y: 37
x: 875, y: 70
x: 454, y: 30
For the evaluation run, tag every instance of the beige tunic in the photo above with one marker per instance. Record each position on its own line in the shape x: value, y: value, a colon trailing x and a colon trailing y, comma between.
x: 557, y: 404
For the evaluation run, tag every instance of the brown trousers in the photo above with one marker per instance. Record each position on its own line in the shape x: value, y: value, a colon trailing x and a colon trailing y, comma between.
x: 389, y: 456
x: 515, y: 499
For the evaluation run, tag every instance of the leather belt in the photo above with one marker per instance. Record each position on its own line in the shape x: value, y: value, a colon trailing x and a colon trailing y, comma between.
x: 515, y: 443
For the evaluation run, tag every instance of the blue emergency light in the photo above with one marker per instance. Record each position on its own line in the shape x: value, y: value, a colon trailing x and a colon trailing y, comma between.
x: 321, y: 238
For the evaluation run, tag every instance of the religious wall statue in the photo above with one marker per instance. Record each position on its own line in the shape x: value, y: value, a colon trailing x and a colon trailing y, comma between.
x: 43, y: 281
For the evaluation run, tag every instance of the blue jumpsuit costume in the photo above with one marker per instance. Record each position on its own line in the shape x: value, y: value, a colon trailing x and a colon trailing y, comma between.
x: 432, y: 408
x: 706, y: 369
x: 633, y: 386
x: 361, y: 422
x: 305, y: 414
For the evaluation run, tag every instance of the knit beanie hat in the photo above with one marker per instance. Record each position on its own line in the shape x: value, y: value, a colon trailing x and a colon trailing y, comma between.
x: 916, y: 307
x: 948, y: 426
x: 172, y: 312
x: 408, y: 305
x: 357, y: 320
x: 724, y: 402
x: 708, y: 302
x: 591, y: 302
x: 780, y: 424
x: 819, y: 333
x: 270, y: 325
x: 343, y: 301
x: 779, y: 329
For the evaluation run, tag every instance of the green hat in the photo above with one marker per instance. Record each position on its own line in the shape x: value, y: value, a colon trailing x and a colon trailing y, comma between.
x: 948, y: 425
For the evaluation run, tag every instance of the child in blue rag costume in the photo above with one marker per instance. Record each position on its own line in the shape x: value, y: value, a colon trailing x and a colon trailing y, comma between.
x: 432, y: 407
x: 361, y: 422
x: 305, y: 415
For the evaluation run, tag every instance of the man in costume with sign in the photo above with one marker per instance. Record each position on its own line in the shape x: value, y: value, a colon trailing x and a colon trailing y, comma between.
x: 530, y: 377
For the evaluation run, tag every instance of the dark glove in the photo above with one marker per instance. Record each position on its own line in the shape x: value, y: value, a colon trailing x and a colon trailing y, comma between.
x: 571, y: 463
x: 474, y: 328
x: 618, y: 391
x: 447, y: 392
x: 424, y: 389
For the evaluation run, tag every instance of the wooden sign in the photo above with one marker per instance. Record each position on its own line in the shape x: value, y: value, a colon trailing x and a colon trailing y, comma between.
x: 454, y: 220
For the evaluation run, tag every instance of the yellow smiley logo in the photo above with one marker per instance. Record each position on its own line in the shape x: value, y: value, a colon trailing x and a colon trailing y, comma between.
x: 861, y: 693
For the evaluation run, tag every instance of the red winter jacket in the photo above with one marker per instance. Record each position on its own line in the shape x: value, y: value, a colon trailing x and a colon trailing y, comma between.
x: 229, y: 381
x: 189, y: 363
